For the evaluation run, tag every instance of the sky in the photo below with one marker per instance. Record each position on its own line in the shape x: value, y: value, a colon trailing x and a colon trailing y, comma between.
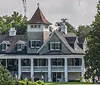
x: 54, y: 10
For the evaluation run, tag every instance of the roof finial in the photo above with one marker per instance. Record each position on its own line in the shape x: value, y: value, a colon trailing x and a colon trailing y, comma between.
x: 38, y: 4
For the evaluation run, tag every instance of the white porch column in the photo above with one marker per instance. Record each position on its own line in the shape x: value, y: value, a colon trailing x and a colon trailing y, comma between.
x: 66, y: 70
x: 19, y: 68
x: 82, y: 69
x: 49, y: 70
x: 32, y: 68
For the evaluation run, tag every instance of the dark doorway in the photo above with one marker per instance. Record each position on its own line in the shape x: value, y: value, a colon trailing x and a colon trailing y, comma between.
x: 54, y: 77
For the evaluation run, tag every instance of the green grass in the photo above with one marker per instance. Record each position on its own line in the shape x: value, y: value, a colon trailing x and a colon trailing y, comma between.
x: 67, y: 83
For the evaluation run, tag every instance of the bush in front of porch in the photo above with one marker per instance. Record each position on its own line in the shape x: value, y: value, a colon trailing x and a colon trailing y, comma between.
x: 26, y: 82
x: 5, y: 76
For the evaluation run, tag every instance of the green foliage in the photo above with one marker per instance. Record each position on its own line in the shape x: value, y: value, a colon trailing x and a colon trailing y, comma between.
x: 15, y: 20
x: 40, y: 82
x: 70, y: 28
x: 24, y: 82
x: 83, y: 30
x: 92, y: 57
x: 5, y: 77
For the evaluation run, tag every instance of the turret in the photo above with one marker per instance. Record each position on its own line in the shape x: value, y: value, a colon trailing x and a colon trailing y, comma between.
x: 37, y: 30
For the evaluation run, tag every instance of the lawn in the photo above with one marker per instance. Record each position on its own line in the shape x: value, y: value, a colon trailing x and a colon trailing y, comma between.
x: 69, y: 83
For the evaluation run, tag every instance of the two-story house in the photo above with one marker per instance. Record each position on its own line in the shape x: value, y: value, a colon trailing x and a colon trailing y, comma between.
x: 57, y: 55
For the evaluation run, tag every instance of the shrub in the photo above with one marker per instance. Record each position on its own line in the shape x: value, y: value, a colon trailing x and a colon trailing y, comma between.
x: 30, y: 83
x: 40, y: 82
x: 36, y: 79
x: 5, y: 77
x: 22, y: 83
x: 35, y: 83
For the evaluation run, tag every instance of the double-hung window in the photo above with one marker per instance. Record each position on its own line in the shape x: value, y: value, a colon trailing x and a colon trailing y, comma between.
x: 35, y: 43
x: 19, y: 47
x: 4, y: 47
x: 55, y: 46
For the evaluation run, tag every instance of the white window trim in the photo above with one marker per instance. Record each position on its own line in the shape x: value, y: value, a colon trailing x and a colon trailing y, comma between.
x: 38, y: 46
x: 35, y: 46
x: 20, y: 48
x: 51, y: 45
x: 6, y: 47
x: 31, y: 44
x: 54, y: 43
x: 57, y: 43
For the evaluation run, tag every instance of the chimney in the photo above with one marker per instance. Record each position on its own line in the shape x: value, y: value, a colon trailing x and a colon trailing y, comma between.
x: 63, y: 28
x: 12, y: 32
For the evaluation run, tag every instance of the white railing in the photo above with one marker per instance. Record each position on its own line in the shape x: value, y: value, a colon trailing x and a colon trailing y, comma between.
x: 74, y: 68
x: 26, y: 68
x: 40, y: 68
x: 53, y: 68
x: 57, y: 68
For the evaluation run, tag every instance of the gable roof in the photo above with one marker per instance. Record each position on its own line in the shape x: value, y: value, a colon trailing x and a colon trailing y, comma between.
x: 78, y: 50
x: 38, y: 18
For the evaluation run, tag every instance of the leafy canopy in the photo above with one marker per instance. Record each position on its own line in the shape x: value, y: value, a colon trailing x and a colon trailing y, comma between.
x: 92, y: 57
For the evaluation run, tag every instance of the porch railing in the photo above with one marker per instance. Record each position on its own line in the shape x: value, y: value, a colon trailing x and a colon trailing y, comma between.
x: 26, y: 68
x: 74, y: 68
x: 57, y: 68
x: 40, y: 68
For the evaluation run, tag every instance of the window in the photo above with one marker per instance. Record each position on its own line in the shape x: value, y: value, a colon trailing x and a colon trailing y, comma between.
x: 55, y: 46
x: 32, y: 44
x: 38, y: 44
x: 19, y: 47
x: 4, y: 47
x: 31, y: 26
x: 39, y: 26
x: 35, y: 26
x: 52, y: 46
x: 35, y: 43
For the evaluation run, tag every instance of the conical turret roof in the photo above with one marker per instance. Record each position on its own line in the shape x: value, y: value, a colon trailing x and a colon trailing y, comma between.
x: 38, y: 18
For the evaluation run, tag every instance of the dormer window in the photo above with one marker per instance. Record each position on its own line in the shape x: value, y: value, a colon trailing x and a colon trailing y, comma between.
x: 35, y: 43
x: 19, y: 47
x: 5, y: 45
x: 55, y: 46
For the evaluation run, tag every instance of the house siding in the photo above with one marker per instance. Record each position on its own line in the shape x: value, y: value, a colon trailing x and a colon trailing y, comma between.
x: 63, y: 50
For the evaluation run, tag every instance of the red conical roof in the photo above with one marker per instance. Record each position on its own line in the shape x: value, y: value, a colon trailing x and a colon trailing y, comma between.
x: 38, y: 18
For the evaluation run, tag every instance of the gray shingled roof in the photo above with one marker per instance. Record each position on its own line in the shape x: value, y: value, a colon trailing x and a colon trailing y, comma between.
x: 13, y: 40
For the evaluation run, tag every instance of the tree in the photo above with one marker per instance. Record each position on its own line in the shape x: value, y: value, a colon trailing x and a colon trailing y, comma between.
x: 5, y: 77
x: 19, y: 22
x: 15, y: 20
x: 92, y: 57
x: 70, y: 28
x: 83, y: 30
